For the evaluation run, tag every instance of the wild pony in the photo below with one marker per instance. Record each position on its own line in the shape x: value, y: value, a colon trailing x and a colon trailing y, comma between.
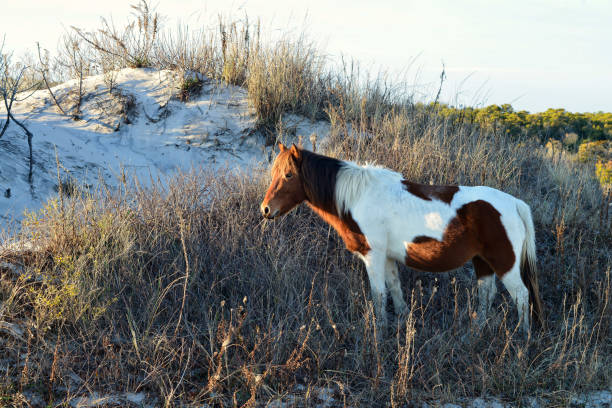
x: 384, y: 218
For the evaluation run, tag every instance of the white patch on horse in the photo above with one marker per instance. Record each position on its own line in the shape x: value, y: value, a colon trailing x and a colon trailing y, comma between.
x: 433, y: 221
x: 353, y: 180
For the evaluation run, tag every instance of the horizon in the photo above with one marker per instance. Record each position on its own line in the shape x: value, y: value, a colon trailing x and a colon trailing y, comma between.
x: 485, y: 60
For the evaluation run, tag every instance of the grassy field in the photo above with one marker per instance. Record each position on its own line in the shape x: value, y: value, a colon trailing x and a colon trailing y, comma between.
x: 186, y: 293
x: 182, y: 291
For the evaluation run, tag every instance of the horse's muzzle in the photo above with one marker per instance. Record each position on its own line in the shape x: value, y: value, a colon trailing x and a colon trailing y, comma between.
x: 267, y: 212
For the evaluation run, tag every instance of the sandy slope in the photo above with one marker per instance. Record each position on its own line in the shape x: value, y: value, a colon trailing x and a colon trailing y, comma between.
x: 140, y: 128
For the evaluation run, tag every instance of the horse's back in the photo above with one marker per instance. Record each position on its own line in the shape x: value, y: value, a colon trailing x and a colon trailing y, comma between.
x: 435, y: 235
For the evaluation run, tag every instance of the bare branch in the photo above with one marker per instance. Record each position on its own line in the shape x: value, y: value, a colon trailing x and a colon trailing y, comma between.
x: 77, y: 59
x: 442, y: 78
x: 44, y: 68
x: 3, y: 75
x: 30, y: 136
x: 9, y: 88
x: 6, y: 123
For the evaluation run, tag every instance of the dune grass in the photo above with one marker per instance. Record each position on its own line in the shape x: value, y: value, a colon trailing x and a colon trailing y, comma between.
x: 179, y: 289
x: 185, y: 293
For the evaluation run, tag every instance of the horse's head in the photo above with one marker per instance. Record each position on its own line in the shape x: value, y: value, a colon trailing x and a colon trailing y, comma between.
x: 286, y: 189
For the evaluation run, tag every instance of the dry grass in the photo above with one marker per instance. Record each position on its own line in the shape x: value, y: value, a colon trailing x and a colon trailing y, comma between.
x: 282, y: 75
x: 182, y: 291
x: 185, y: 293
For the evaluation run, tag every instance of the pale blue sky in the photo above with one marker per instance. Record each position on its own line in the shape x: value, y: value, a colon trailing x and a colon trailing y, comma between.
x: 534, y: 54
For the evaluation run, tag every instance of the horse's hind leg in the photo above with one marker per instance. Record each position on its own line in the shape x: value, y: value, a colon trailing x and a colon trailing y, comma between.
x: 520, y: 295
x: 393, y: 283
x: 486, y: 288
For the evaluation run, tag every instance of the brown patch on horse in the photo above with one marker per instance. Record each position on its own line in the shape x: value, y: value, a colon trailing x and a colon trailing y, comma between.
x: 428, y: 192
x: 428, y: 254
x: 347, y: 228
x: 477, y: 230
x: 481, y: 267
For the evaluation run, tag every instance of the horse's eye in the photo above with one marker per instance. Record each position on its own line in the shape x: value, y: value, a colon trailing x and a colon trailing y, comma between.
x: 288, y: 175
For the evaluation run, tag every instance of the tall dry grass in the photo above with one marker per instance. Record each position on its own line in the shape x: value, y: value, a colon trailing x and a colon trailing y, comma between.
x: 180, y: 289
x: 286, y: 74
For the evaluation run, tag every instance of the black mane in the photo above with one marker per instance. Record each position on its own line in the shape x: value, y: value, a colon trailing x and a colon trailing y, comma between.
x: 319, y: 178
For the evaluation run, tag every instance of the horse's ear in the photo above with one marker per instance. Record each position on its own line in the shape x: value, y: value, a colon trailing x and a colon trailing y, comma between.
x: 295, y: 152
x: 281, y: 147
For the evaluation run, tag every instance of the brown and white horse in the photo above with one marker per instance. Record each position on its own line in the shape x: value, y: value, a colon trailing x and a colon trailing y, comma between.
x: 383, y: 219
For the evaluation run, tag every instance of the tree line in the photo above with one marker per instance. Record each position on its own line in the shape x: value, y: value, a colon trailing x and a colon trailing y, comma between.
x: 571, y: 128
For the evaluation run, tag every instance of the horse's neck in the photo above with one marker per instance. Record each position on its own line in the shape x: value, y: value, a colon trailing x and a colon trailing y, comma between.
x: 346, y: 227
x: 331, y: 218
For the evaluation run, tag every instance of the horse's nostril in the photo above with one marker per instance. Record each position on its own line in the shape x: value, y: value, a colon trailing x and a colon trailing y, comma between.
x: 266, y: 210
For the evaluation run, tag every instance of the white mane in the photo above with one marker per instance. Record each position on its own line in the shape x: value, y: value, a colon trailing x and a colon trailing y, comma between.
x: 352, y: 180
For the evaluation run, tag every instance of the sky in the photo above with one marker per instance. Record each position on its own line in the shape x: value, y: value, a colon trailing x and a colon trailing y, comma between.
x: 534, y: 54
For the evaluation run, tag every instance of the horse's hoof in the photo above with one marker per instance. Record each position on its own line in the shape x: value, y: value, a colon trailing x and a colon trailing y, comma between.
x: 402, y: 314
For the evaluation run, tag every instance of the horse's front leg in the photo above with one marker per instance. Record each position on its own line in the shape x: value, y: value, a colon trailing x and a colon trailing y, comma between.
x: 395, y: 288
x: 375, y: 266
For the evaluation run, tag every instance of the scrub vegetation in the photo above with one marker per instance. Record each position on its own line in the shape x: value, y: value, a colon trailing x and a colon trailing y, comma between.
x: 181, y: 290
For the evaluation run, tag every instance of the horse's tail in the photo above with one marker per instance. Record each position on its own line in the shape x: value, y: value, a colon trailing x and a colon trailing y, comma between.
x: 529, y: 263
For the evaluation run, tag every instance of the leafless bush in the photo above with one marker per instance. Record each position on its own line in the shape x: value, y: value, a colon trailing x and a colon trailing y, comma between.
x: 131, y: 46
x: 76, y: 60
x: 44, y: 70
x: 13, y: 89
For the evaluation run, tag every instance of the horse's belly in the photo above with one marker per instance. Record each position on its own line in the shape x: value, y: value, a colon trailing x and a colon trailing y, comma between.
x: 429, y: 254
